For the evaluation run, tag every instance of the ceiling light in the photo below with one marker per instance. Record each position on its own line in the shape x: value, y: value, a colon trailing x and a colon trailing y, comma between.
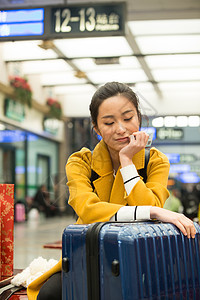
x: 158, y: 122
x: 151, y: 27
x: 85, y: 64
x: 78, y: 89
x: 94, y: 47
x: 169, y: 44
x: 177, y: 74
x: 124, y: 63
x: 191, y: 86
x: 25, y: 50
x: 60, y: 78
x: 45, y: 66
x: 173, y: 61
x: 130, y: 76
x: 170, y: 121
x: 194, y: 121
x: 144, y: 86
x: 182, y: 121
x: 129, y: 62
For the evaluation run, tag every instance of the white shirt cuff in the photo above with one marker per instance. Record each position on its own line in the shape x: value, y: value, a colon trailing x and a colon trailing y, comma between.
x: 143, y: 213
x: 132, y: 213
x: 130, y: 177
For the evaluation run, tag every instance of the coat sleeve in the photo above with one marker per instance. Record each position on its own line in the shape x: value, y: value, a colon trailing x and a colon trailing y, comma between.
x: 154, y: 192
x: 86, y: 203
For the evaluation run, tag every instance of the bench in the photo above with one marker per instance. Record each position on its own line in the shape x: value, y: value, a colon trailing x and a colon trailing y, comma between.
x: 53, y: 245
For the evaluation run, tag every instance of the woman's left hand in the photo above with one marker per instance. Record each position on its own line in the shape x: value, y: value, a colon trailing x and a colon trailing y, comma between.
x: 182, y: 222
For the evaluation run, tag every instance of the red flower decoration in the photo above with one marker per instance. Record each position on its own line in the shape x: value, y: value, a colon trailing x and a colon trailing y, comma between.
x: 22, y: 89
x: 55, y: 108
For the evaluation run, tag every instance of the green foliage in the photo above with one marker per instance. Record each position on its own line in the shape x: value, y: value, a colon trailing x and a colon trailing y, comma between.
x: 22, y: 90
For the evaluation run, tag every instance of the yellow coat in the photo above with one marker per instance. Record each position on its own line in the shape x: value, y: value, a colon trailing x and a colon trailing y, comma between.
x: 109, y: 194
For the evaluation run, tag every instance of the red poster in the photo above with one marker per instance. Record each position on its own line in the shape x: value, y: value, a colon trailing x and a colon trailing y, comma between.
x: 6, y: 228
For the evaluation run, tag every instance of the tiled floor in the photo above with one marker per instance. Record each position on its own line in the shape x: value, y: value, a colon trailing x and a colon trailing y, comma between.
x: 29, y: 238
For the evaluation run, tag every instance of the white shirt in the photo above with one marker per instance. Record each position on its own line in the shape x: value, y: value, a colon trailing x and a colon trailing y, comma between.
x: 131, y: 213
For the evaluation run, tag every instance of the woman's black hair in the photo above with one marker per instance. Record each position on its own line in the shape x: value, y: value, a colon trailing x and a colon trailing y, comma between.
x: 108, y: 90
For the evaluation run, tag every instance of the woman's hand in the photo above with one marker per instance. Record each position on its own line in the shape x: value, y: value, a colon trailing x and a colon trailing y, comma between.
x: 181, y: 221
x: 138, y: 141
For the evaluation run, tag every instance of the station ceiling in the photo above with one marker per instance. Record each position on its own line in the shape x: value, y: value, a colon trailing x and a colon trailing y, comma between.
x: 158, y: 55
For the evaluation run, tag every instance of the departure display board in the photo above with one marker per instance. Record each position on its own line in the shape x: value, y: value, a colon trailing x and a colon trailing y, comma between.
x: 22, y: 22
x: 90, y: 19
x: 51, y: 22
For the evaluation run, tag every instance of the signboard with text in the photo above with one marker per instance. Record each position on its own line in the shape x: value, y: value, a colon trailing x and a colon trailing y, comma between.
x: 51, y: 22
x: 170, y: 134
x: 14, y: 110
x: 51, y: 126
x: 22, y: 22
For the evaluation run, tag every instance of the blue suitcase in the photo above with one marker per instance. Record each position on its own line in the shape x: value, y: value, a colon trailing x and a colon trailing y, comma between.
x: 127, y: 261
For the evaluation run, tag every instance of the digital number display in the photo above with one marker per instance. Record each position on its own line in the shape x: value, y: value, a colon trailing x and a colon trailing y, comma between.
x: 95, y: 19
x: 23, y: 22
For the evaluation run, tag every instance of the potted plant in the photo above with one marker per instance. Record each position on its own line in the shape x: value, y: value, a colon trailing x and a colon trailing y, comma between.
x: 55, y: 108
x: 22, y: 89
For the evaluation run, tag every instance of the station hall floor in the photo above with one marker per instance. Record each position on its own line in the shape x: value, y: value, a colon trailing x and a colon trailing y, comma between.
x: 30, y: 237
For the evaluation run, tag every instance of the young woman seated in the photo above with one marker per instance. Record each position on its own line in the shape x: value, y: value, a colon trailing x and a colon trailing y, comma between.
x: 119, y: 192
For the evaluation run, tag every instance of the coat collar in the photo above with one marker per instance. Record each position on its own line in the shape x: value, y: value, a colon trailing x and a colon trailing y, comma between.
x: 101, y: 161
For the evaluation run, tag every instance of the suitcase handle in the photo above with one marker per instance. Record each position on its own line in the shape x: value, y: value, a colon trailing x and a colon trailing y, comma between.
x: 65, y: 264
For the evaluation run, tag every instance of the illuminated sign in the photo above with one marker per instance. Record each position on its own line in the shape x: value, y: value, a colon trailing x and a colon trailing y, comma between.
x: 174, y: 158
x: 54, y: 22
x: 12, y: 136
x: 170, y: 134
x: 187, y: 158
x: 14, y: 110
x: 51, y: 125
x: 22, y: 22
x: 179, y: 168
x: 88, y: 20
x: 190, y: 177
x: 150, y: 130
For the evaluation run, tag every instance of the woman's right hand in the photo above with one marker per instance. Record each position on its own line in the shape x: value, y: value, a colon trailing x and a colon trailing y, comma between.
x: 182, y: 222
x: 138, y: 141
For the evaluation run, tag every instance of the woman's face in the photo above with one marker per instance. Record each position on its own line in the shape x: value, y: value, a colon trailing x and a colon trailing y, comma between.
x: 117, y: 120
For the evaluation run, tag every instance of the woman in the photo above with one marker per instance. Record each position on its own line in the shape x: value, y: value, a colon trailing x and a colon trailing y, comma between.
x: 119, y: 193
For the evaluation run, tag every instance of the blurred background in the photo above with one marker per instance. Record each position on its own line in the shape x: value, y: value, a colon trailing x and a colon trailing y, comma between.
x: 55, y: 54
